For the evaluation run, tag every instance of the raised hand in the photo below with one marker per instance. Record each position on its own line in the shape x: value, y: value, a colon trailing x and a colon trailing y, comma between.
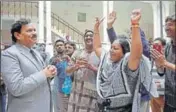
x: 98, y: 22
x: 111, y: 19
x: 135, y: 16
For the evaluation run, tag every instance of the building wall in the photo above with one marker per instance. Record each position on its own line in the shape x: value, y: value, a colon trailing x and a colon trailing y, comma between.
x: 172, y: 7
x: 69, y: 10
x: 124, y: 8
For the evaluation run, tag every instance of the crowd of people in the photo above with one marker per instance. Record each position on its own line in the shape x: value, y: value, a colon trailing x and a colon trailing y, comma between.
x: 133, y: 76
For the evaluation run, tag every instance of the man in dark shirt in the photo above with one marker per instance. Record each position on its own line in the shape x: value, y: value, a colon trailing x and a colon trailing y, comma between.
x: 165, y: 64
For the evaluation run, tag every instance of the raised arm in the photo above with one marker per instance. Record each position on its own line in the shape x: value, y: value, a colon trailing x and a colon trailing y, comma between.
x: 136, y: 44
x: 145, y: 44
x: 110, y: 30
x: 96, y: 39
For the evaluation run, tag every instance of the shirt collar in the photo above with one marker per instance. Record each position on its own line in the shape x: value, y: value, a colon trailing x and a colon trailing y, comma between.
x: 24, y: 47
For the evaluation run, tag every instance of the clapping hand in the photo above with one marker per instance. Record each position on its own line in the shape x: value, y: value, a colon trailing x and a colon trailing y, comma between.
x: 91, y: 67
x: 158, y: 58
x: 50, y: 71
x: 67, y: 58
x: 81, y: 62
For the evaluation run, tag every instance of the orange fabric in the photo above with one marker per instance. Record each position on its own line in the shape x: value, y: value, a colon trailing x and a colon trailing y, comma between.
x: 157, y: 104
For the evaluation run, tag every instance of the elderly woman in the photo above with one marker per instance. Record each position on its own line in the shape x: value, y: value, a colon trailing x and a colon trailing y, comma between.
x: 120, y: 73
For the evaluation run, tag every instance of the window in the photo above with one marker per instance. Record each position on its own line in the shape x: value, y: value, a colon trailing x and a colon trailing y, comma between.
x: 81, y: 17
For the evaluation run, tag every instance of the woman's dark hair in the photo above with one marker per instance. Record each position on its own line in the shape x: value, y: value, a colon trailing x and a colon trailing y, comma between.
x: 16, y: 27
x: 162, y: 40
x: 123, y: 41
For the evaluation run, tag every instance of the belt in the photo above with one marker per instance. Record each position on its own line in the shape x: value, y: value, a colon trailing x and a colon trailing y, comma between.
x: 129, y: 107
x: 121, y: 108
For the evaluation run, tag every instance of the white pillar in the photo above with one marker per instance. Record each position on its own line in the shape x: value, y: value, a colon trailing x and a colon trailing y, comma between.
x: 156, y: 20
x: 41, y: 22
x: 105, y: 9
x: 166, y: 12
x: 166, y: 8
x: 48, y: 22
x: 105, y: 42
x: 111, y: 6
x: 49, y: 46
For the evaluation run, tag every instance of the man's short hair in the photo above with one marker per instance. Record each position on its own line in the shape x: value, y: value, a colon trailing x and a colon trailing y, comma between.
x: 59, y: 40
x: 16, y: 27
x: 162, y: 40
x: 170, y: 18
x: 41, y: 44
x: 72, y: 44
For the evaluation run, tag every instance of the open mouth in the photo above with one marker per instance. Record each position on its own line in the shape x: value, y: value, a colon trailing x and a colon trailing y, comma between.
x: 168, y: 32
x: 89, y: 41
x: 34, y: 38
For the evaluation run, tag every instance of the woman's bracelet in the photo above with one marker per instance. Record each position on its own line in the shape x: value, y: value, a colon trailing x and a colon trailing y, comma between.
x: 96, y: 33
x: 134, y: 23
x: 135, y: 26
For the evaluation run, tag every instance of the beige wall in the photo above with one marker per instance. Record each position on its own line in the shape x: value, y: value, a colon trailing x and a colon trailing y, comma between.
x: 172, y: 7
x: 124, y: 8
x: 68, y: 10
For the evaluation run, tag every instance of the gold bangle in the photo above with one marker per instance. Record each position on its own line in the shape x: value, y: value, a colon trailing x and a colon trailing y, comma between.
x: 135, y: 26
x: 96, y: 33
x: 134, y: 23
